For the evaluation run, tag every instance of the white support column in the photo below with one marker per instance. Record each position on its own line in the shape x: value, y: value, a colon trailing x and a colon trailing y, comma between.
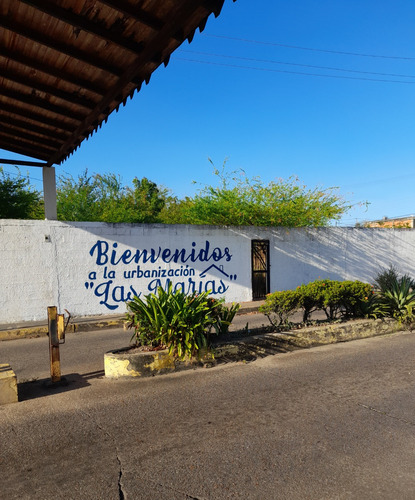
x: 49, y: 193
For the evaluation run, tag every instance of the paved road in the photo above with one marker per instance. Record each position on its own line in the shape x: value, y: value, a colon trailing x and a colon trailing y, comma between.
x: 334, y: 422
x: 83, y: 351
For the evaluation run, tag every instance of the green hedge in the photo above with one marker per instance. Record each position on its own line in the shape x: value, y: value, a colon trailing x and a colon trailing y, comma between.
x: 336, y: 298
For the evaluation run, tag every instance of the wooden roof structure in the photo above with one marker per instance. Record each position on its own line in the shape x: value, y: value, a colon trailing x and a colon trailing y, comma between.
x: 65, y: 65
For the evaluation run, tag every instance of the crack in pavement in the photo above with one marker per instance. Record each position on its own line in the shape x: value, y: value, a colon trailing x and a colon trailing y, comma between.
x: 386, y: 414
x: 367, y: 407
x: 120, y: 489
x: 121, y: 493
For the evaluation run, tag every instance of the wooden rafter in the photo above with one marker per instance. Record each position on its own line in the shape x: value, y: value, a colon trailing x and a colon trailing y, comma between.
x: 67, y: 16
x: 51, y: 90
x: 61, y: 47
x: 136, y: 12
x: 55, y: 71
x: 21, y: 125
x: 66, y: 65
x: 38, y: 118
x: 39, y: 102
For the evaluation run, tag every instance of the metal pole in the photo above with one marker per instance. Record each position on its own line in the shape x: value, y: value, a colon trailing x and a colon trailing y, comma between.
x: 55, y: 364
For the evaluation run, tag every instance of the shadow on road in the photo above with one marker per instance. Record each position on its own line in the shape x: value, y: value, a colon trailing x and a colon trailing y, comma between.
x: 44, y: 387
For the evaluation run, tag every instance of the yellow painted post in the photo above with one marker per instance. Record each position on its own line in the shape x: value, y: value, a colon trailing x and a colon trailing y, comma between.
x: 61, y: 327
x: 55, y: 365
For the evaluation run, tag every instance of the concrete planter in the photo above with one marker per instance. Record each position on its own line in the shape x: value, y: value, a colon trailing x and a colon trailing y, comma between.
x: 8, y: 385
x: 130, y: 362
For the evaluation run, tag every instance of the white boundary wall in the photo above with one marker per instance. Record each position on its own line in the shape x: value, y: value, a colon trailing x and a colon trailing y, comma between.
x: 92, y: 268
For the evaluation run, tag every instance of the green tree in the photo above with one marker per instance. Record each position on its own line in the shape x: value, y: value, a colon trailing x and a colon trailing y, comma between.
x: 18, y: 198
x: 104, y: 198
x: 149, y: 198
x: 240, y: 201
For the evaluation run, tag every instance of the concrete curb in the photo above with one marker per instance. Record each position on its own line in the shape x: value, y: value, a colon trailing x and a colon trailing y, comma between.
x: 129, y: 363
x: 316, y: 336
x: 41, y: 330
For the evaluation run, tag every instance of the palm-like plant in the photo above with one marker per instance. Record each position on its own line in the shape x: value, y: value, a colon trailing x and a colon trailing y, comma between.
x: 178, y: 321
x: 399, y: 298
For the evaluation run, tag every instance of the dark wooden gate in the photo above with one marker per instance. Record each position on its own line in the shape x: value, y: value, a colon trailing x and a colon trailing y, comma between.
x: 260, y: 268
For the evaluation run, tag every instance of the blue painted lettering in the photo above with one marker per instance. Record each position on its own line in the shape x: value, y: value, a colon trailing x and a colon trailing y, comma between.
x: 112, y: 296
x: 179, y: 255
x: 101, y: 248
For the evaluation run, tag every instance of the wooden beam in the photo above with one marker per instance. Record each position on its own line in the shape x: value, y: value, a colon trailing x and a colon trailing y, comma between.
x: 25, y: 143
x: 69, y: 17
x: 17, y: 148
x: 41, y: 130
x: 52, y: 43
x: 59, y: 73
x: 37, y: 117
x: 52, y: 90
x: 136, y: 12
x: 158, y: 45
x: 22, y: 163
x: 13, y: 132
x: 38, y: 102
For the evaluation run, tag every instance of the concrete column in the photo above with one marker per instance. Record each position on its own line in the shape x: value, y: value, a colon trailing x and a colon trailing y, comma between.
x: 49, y: 193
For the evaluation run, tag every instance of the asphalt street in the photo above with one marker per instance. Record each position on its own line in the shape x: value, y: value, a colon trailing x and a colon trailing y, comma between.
x: 83, y: 351
x: 333, y: 422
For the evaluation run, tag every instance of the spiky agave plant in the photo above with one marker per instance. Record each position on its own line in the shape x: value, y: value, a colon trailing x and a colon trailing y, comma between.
x: 399, y: 298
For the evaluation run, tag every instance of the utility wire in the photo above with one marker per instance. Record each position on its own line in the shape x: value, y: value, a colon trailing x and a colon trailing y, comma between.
x: 292, y: 72
x: 272, y: 61
x: 21, y: 175
x: 359, y: 54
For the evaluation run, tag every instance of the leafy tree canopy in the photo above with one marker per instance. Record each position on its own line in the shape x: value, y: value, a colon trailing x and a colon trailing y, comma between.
x: 235, y: 200
x: 240, y: 201
x: 104, y: 198
x: 18, y: 199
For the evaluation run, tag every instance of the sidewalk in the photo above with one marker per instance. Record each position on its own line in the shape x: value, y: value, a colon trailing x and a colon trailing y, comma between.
x: 31, y: 329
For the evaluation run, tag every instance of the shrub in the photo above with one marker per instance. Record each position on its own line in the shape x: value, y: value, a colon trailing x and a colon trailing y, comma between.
x: 175, y: 320
x: 335, y: 298
x: 279, y: 305
x: 311, y: 297
x: 353, y: 295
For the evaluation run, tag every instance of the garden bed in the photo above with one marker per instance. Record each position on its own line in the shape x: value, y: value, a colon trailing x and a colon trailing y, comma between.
x: 132, y: 362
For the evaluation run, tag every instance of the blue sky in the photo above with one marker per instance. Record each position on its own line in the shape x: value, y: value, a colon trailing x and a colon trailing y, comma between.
x: 257, y: 87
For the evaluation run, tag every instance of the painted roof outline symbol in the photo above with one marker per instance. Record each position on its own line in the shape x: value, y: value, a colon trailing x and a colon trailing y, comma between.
x: 214, y: 266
